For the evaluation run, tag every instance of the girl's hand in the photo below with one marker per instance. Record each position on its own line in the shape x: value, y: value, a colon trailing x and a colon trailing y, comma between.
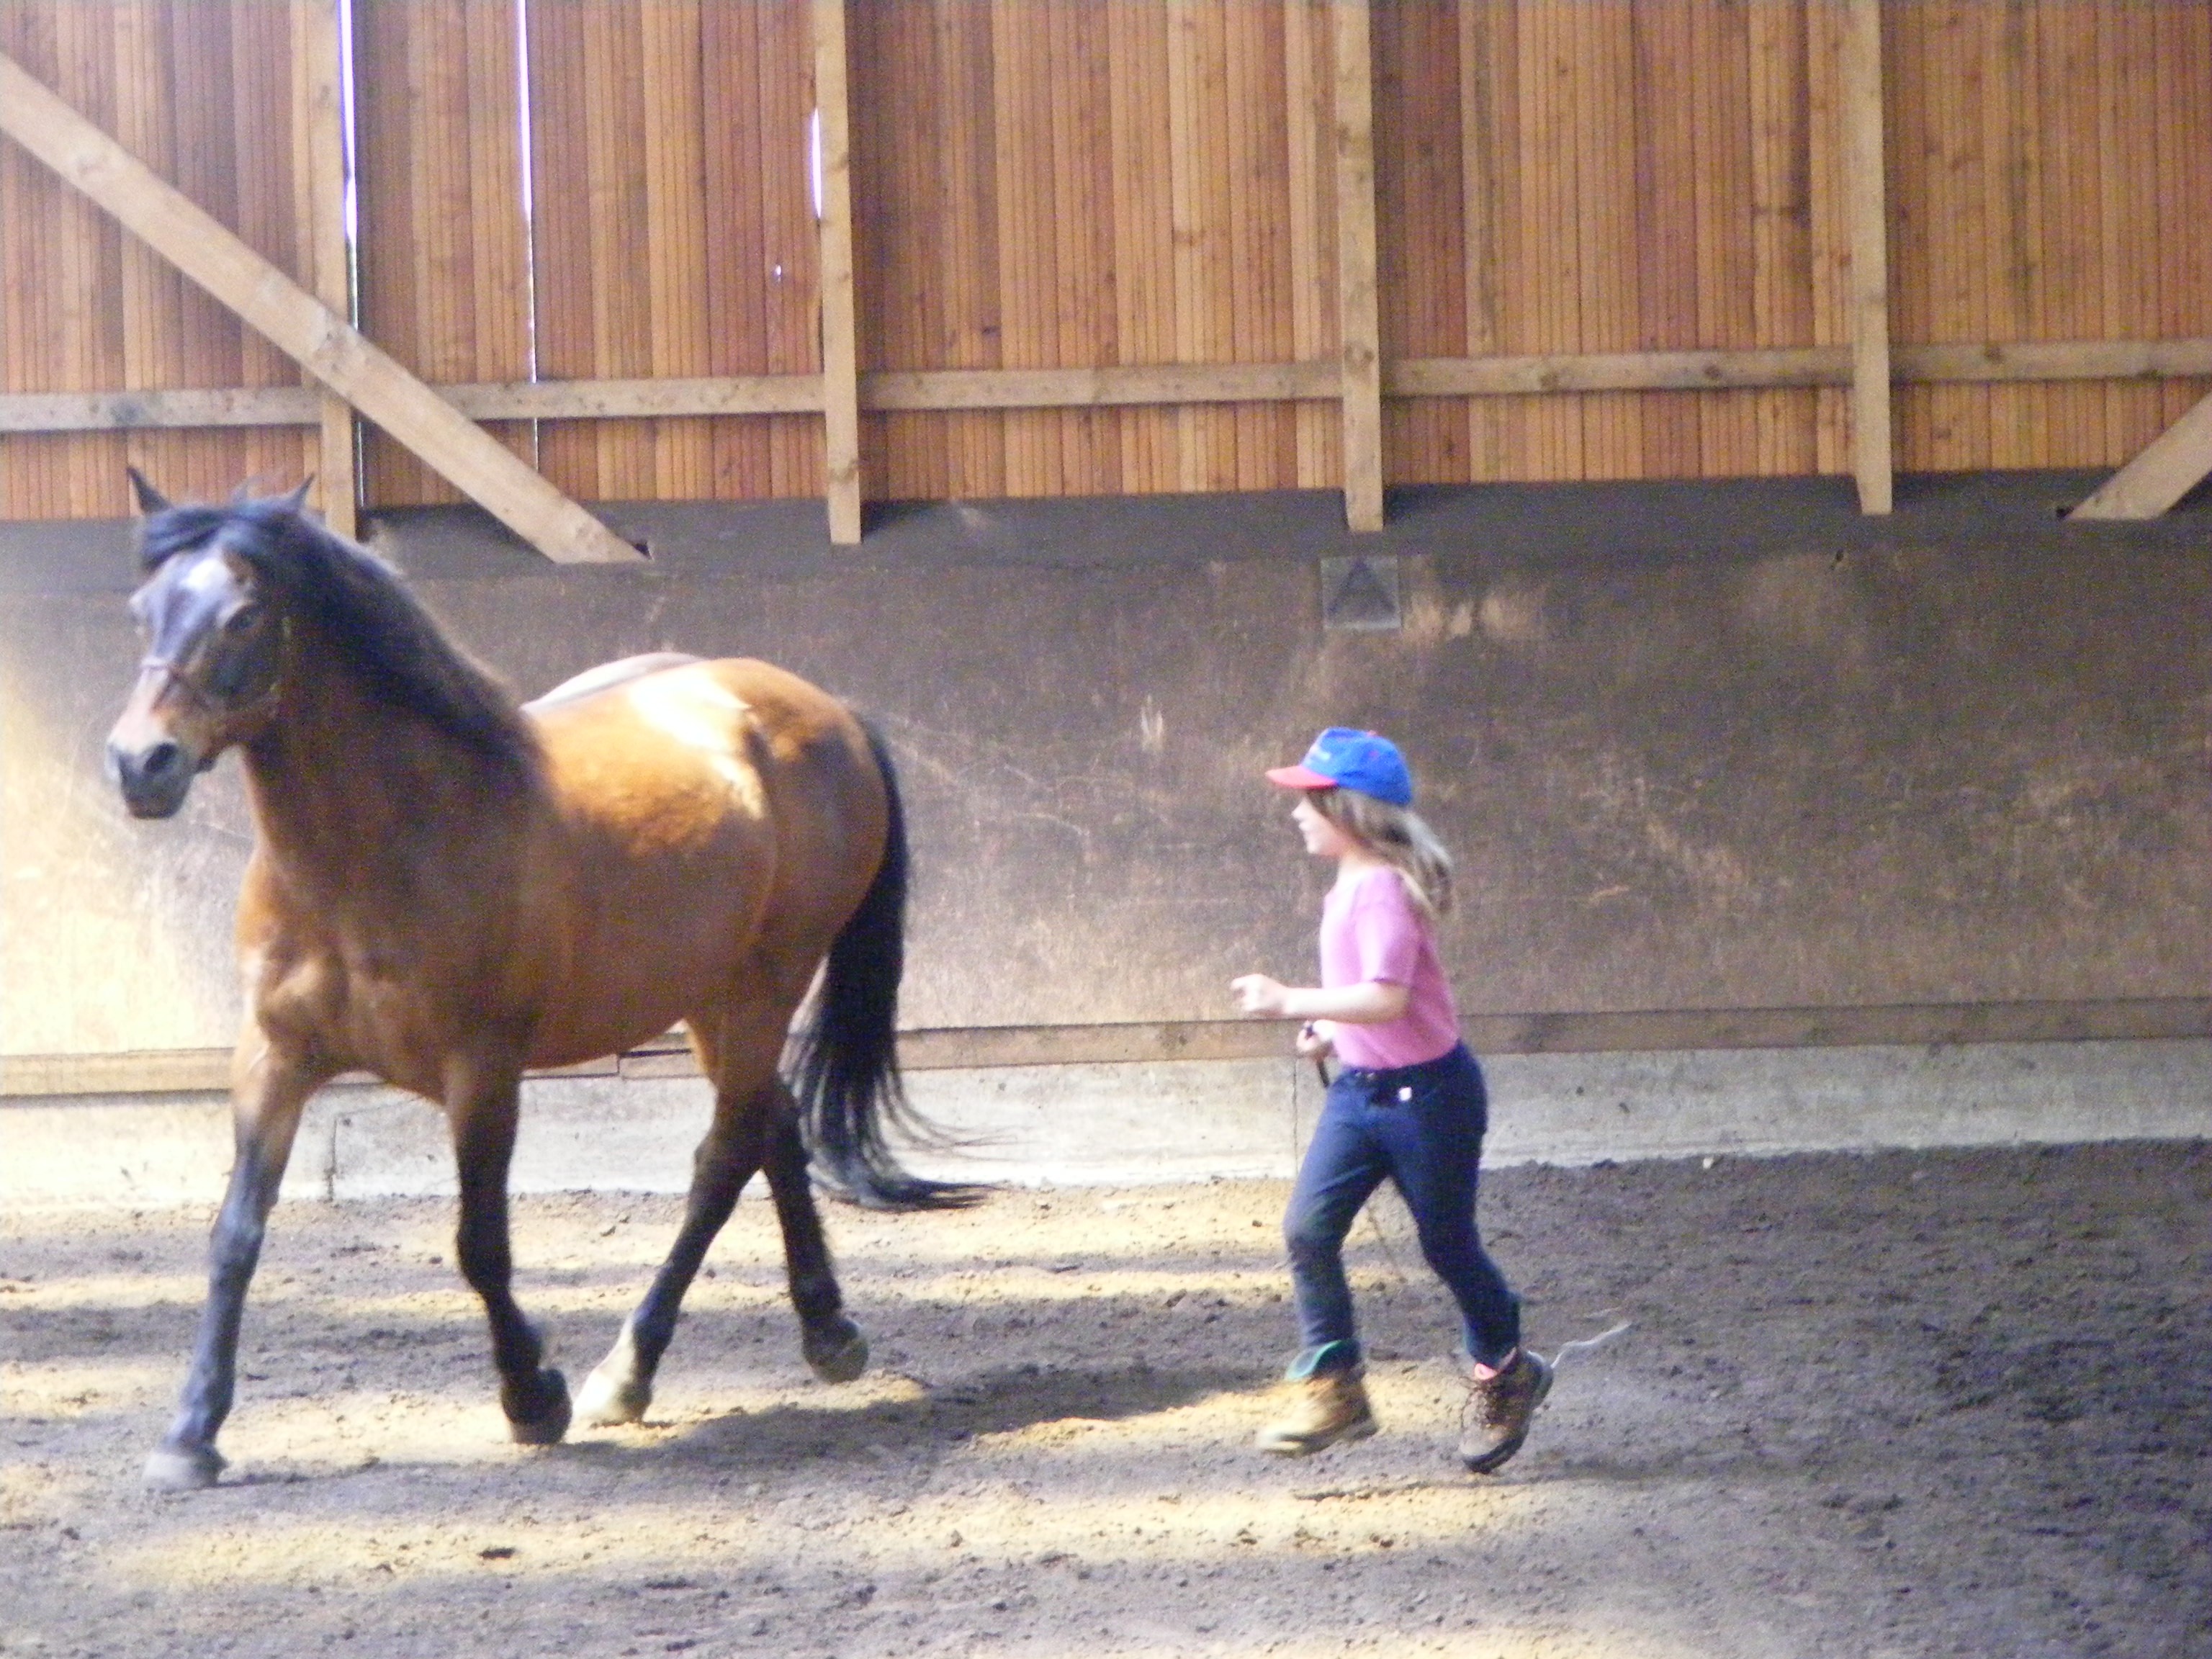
x: 1258, y: 996
x: 1316, y: 1042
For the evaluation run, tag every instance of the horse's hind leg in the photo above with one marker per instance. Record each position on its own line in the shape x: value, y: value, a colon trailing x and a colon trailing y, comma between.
x: 534, y: 1396
x: 754, y: 1131
x: 620, y: 1388
x: 833, y: 1346
x: 269, y: 1094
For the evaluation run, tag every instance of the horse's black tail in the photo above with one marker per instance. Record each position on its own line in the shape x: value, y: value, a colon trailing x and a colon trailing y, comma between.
x: 846, y: 1075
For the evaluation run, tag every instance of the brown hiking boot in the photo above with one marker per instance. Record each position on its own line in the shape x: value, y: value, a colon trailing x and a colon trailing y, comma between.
x: 1324, y: 1409
x: 1495, y: 1420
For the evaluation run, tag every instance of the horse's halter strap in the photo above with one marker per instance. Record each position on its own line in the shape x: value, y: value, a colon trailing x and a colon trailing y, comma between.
x: 185, y: 683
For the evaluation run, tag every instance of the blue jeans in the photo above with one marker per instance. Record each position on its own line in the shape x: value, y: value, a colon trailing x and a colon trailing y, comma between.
x: 1422, y: 1127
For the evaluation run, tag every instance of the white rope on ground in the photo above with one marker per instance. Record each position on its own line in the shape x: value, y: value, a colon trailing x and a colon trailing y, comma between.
x: 1585, y: 1344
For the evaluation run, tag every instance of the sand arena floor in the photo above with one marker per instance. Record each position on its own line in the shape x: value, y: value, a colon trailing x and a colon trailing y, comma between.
x: 1904, y: 1405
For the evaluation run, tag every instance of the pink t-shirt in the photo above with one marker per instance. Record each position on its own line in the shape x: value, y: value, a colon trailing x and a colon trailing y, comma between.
x: 1370, y: 930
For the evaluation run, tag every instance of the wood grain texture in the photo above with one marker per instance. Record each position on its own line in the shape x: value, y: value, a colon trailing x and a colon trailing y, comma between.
x: 1872, y: 463
x: 841, y: 386
x: 291, y: 318
x: 1082, y: 193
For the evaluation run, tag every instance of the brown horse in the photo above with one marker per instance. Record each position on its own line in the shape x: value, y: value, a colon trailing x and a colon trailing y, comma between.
x: 447, y: 888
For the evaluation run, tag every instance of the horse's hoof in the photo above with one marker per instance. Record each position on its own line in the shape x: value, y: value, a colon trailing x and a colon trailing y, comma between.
x: 608, y: 1399
x: 836, y: 1354
x: 177, y: 1468
x: 546, y: 1425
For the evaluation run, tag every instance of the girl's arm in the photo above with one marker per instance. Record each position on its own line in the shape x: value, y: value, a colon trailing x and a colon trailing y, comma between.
x: 1372, y: 1002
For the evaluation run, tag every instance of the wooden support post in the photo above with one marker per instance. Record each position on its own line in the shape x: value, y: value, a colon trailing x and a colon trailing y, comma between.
x: 299, y: 324
x: 1357, y: 314
x: 840, y: 361
x: 2174, y: 463
x: 321, y: 68
x: 1865, y: 207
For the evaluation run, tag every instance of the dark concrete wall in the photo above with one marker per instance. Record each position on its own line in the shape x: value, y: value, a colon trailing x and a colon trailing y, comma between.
x: 1695, y: 747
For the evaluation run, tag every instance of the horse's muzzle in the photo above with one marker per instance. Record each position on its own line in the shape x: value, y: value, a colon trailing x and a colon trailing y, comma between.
x: 154, y: 780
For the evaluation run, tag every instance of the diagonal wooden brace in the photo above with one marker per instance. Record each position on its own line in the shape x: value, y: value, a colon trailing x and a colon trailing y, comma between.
x: 2174, y: 463
x: 300, y: 325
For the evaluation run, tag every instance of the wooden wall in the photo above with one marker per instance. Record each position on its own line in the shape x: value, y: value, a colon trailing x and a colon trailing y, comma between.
x: 444, y: 250
x: 2045, y: 162
x: 202, y: 91
x: 1076, y: 185
x: 674, y: 234
x: 1608, y: 177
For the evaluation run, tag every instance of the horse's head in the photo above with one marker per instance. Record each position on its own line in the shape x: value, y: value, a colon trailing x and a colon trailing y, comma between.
x: 215, y: 635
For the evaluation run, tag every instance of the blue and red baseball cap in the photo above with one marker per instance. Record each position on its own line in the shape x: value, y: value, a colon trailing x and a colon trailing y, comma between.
x: 1345, y: 758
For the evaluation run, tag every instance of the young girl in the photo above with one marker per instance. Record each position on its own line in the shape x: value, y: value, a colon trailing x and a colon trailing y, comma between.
x: 1407, y: 1103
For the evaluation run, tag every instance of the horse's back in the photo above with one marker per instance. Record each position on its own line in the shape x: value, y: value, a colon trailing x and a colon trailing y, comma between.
x: 709, y: 814
x: 606, y: 675
x: 673, y: 715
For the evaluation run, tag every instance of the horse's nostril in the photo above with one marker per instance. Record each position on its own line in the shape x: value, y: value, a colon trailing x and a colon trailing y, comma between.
x: 162, y: 759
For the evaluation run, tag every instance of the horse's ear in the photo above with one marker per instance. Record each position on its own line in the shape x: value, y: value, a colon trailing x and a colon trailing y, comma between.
x: 150, y: 500
x: 297, y: 499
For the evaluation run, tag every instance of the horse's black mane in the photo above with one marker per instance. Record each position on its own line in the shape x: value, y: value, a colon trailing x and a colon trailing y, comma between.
x: 358, y: 604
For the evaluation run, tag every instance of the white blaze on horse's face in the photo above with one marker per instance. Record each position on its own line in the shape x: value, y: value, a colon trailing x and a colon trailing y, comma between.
x: 214, y: 654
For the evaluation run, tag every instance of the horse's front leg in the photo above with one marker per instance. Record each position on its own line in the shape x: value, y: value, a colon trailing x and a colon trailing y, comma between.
x: 482, y: 1105
x: 268, y: 1091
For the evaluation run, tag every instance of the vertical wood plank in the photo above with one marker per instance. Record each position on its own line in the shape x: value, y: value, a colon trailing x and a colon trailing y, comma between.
x: 671, y: 54
x: 1727, y: 420
x: 2128, y: 72
x: 1145, y: 254
x: 1359, y: 351
x: 840, y: 371
x: 1606, y: 226
x: 321, y: 117
x: 2185, y: 175
x: 1212, y: 163
x: 2074, y: 270
x: 444, y: 257
x: 1489, y: 214
x: 1257, y: 293
x: 1958, y: 204
x: 1547, y: 291
x: 1021, y: 111
x: 1666, y: 289
x: 2019, y: 423
x: 1310, y: 164
x: 1780, y: 230
x: 1419, y: 203
x: 1871, y: 464
x: 737, y: 264
x: 1827, y: 200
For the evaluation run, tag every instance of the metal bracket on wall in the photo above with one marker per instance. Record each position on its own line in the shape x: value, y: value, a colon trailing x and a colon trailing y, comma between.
x: 1361, y: 591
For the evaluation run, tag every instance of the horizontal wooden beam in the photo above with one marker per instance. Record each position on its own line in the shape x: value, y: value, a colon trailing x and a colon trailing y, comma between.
x: 1620, y: 371
x: 128, y: 411
x: 1170, y: 384
x: 299, y: 324
x: 1656, y: 1030
x: 2053, y: 360
x: 589, y: 400
x: 1081, y: 388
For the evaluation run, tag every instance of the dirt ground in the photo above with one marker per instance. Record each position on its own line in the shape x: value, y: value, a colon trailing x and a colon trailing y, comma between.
x: 1903, y: 1405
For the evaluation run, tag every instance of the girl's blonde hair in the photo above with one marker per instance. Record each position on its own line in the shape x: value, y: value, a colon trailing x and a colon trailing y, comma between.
x: 1397, y: 836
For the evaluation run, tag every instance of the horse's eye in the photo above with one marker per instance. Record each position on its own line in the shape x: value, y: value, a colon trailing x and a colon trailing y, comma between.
x: 242, y: 620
